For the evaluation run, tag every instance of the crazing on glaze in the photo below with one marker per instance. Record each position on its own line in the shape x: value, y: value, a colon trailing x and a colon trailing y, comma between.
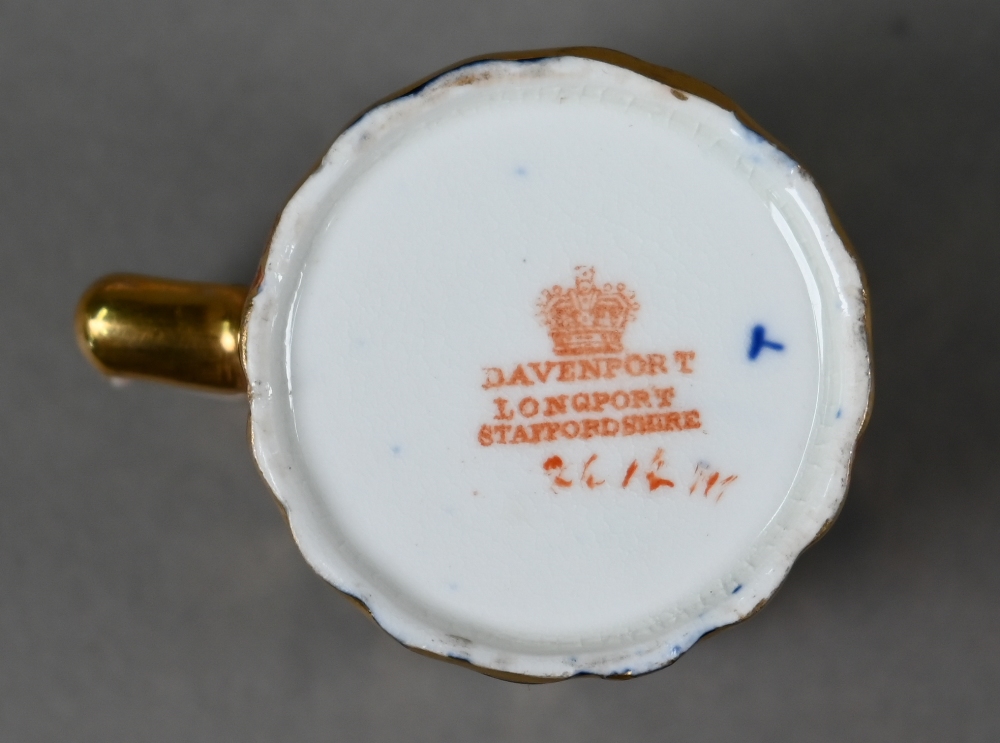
x: 555, y: 367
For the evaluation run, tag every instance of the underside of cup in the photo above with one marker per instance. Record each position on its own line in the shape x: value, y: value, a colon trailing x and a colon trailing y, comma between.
x: 557, y: 364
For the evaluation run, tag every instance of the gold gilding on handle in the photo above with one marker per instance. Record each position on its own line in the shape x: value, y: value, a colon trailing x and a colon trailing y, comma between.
x: 171, y: 331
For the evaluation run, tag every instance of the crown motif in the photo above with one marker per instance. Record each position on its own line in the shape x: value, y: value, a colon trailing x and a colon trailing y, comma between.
x: 587, y: 319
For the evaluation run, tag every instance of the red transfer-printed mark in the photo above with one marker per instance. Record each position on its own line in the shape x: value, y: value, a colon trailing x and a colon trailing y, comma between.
x: 588, y: 477
x: 555, y: 465
x: 710, y: 482
x: 587, y: 323
x: 629, y: 472
x: 705, y: 480
x: 653, y: 476
x: 524, y: 416
x: 540, y: 402
x: 585, y: 402
x: 586, y: 369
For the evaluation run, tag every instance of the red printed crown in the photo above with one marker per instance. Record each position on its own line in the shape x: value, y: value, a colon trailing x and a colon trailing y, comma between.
x: 587, y: 319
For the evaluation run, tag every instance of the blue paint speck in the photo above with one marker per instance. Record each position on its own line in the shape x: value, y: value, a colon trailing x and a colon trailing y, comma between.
x: 759, y: 341
x: 738, y: 588
x: 839, y: 412
x: 397, y: 450
x: 675, y: 650
x: 521, y: 171
x: 751, y: 134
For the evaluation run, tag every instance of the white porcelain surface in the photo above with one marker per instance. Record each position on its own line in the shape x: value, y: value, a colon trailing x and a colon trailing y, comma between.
x: 408, y: 275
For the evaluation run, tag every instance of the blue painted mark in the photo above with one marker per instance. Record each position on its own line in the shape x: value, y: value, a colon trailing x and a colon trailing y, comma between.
x: 675, y: 650
x: 774, y: 152
x: 839, y: 412
x: 738, y: 588
x: 397, y: 450
x: 521, y: 171
x: 751, y: 134
x: 759, y: 341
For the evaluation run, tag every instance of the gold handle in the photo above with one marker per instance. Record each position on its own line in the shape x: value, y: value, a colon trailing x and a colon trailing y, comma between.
x: 171, y: 331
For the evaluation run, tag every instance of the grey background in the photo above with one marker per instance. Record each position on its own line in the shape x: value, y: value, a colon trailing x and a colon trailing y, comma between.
x: 149, y: 589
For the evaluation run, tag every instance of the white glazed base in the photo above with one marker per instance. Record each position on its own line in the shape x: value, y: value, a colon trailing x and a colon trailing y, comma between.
x: 400, y: 299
